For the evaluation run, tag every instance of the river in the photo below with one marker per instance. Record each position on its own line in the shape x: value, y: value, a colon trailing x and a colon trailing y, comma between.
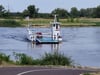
x: 82, y: 44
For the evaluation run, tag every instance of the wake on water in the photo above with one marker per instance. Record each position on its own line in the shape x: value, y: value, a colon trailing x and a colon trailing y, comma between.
x: 20, y: 34
x: 14, y: 34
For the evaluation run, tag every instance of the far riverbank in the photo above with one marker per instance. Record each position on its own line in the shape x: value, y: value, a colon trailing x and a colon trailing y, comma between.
x: 70, y: 22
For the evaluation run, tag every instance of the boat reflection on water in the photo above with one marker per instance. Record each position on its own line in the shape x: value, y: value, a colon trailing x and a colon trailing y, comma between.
x: 31, y: 45
x: 55, y: 48
x: 44, y: 48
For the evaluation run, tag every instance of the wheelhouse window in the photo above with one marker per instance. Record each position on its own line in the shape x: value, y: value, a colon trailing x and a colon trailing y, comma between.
x: 53, y: 25
x: 57, y: 26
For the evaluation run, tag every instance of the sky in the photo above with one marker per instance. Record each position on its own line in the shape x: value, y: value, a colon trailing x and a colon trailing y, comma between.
x: 47, y: 6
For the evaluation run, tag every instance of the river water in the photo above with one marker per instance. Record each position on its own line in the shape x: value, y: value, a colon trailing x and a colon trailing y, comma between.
x: 82, y: 44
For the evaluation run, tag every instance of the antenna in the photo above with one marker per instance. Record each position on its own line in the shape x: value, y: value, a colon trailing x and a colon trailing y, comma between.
x: 56, y: 18
x: 27, y: 18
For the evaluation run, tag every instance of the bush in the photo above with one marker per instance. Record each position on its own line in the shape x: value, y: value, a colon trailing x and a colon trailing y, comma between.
x: 4, y: 57
x: 47, y: 59
x: 56, y: 59
x: 23, y: 59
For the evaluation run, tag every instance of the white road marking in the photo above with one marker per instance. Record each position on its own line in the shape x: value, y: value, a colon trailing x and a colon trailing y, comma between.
x: 25, y: 72
x: 40, y: 70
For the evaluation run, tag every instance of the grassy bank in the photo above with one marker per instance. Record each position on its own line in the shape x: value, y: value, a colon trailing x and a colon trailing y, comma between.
x: 5, y: 59
x: 47, y: 59
x: 46, y: 22
x: 9, y: 23
x: 64, y: 22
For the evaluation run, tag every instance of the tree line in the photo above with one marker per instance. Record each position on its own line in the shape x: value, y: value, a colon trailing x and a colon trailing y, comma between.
x: 33, y: 12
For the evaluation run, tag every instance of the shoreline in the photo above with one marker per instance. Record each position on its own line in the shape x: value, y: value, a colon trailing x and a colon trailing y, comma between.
x: 5, y: 64
x: 80, y: 22
x: 51, y: 66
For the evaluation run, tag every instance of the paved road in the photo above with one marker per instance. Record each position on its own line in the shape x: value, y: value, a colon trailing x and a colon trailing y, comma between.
x: 39, y: 71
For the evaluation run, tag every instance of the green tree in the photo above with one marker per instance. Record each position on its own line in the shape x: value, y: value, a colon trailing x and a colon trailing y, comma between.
x: 25, y: 13
x: 97, y: 12
x: 44, y: 15
x: 61, y: 12
x: 82, y: 13
x: 31, y: 11
x: 74, y: 12
x: 2, y: 11
x: 90, y: 12
x: 1, y: 8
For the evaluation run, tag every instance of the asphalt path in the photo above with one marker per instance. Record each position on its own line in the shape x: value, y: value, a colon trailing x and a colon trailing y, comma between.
x: 40, y: 71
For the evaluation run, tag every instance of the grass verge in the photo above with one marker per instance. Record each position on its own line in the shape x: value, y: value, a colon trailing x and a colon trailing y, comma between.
x: 98, y: 73
x: 47, y: 59
x: 5, y: 58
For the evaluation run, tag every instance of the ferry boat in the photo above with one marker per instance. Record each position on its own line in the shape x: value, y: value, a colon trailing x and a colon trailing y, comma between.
x: 41, y: 38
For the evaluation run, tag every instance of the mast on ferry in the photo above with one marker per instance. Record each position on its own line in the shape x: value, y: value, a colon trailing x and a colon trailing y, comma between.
x: 56, y: 30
